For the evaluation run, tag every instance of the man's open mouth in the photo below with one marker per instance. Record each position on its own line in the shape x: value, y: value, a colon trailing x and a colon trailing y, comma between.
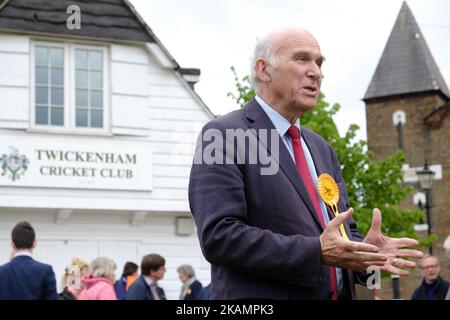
x: 311, y: 89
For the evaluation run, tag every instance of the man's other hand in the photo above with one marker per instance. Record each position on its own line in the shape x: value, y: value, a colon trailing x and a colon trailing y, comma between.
x: 392, y: 248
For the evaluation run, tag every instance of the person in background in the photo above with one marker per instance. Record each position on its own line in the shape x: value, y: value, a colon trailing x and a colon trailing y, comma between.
x: 130, y: 273
x: 24, y: 278
x: 433, y: 287
x: 191, y: 287
x: 99, y: 284
x: 71, y: 279
x: 146, y: 286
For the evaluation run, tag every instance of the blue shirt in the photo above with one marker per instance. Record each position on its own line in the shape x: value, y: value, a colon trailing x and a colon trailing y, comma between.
x: 282, y: 125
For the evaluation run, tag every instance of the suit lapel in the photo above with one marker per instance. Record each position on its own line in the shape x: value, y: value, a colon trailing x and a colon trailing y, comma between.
x: 258, y: 120
x: 148, y: 291
x: 161, y: 293
x: 321, y: 168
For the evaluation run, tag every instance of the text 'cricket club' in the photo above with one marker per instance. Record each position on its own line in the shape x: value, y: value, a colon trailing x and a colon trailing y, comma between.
x: 86, y: 157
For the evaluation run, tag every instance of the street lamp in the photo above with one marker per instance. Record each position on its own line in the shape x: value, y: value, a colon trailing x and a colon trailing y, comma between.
x: 426, y: 177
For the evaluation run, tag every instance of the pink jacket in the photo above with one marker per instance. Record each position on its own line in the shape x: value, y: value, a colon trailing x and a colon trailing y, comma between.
x: 96, y: 288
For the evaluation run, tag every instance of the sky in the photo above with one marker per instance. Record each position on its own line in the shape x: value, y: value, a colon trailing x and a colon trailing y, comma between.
x: 214, y: 35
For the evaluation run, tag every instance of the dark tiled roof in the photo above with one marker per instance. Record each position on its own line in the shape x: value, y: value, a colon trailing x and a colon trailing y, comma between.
x: 406, y: 65
x: 107, y: 19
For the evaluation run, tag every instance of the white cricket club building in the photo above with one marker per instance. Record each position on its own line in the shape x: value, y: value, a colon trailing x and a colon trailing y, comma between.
x: 97, y: 132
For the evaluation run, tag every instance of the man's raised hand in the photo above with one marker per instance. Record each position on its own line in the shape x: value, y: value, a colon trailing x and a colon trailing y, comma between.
x: 392, y: 248
x: 336, y: 251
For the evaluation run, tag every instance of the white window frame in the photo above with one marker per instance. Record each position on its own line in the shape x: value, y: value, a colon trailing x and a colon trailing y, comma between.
x: 69, y: 89
x: 60, y: 45
x: 106, y: 112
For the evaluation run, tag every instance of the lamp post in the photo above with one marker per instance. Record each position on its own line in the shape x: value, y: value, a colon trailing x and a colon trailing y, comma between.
x: 395, y: 286
x: 426, y: 176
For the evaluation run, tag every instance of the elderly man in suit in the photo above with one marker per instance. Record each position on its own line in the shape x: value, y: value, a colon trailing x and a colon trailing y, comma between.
x: 267, y: 233
x: 23, y: 278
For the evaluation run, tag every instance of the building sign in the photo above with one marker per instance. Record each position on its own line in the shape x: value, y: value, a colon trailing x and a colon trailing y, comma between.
x: 410, y: 173
x: 82, y: 162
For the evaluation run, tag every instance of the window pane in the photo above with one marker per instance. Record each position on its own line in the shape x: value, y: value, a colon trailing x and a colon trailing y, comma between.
x: 97, y: 99
x: 81, y: 79
x: 57, y: 76
x: 57, y: 96
x: 41, y: 56
x: 82, y: 118
x: 95, y: 60
x: 57, y: 116
x: 49, y: 83
x: 97, y: 118
x: 41, y: 95
x: 96, y: 79
x: 41, y: 115
x: 81, y: 59
x: 56, y: 57
x: 41, y: 75
x: 81, y: 98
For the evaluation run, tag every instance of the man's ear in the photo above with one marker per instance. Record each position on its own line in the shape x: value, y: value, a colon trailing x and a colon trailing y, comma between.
x: 261, y: 70
x: 13, y: 246
x: 34, y: 245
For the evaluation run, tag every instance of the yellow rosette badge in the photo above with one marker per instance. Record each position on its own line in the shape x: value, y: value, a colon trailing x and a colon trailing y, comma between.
x: 329, y: 192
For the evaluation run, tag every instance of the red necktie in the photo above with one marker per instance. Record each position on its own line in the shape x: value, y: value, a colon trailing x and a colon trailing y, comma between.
x: 305, y: 175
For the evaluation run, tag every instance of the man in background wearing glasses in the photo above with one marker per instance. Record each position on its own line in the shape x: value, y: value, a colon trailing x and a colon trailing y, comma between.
x: 433, y: 286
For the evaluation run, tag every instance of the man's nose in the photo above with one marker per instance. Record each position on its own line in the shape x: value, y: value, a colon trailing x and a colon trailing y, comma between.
x: 314, y: 71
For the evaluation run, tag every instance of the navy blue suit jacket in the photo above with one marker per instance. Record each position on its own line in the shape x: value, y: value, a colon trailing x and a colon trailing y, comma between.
x: 140, y: 290
x: 261, y: 232
x: 194, y: 291
x: 23, y: 278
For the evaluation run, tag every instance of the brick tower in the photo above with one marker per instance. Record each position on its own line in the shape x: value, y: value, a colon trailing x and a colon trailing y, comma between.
x: 407, y: 107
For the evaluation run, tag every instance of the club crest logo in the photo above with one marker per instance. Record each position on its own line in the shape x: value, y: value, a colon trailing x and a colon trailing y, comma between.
x: 14, y: 165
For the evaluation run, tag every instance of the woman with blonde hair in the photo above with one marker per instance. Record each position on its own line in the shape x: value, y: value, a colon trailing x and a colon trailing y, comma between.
x: 71, y: 279
x: 99, y: 284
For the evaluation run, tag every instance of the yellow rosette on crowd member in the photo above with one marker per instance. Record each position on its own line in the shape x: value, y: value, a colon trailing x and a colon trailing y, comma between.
x: 329, y: 192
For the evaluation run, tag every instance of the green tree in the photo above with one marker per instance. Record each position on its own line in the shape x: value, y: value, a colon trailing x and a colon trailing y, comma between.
x: 369, y: 184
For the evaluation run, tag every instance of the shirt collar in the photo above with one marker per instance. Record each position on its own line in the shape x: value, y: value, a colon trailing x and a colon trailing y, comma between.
x: 23, y: 253
x: 279, y: 121
x: 149, y: 281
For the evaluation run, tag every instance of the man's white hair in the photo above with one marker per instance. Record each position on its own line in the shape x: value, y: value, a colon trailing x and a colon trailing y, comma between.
x: 263, y: 50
